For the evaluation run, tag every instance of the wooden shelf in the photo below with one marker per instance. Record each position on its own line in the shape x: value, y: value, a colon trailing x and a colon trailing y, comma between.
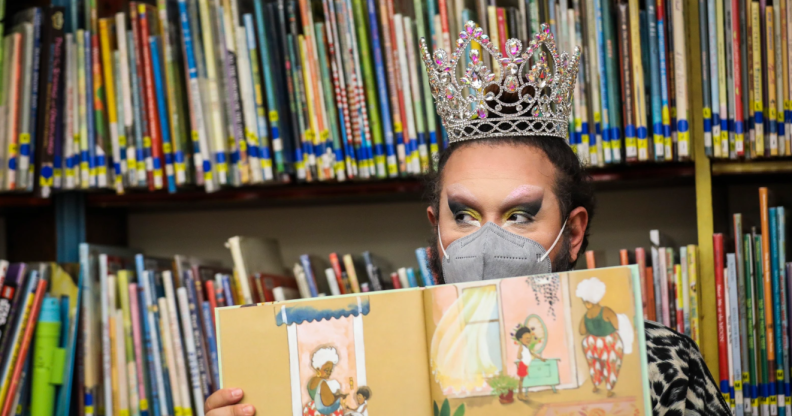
x: 759, y: 166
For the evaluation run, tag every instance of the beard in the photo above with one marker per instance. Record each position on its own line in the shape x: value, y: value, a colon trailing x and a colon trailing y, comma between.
x: 562, y: 262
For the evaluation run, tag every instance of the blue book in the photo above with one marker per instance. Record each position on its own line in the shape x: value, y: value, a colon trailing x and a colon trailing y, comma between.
x: 603, y: 127
x: 269, y: 88
x: 29, y: 149
x: 655, y: 86
x: 779, y: 346
x: 229, y: 296
x: 153, y: 392
x: 423, y: 265
x: 305, y: 260
x: 781, y: 224
x: 382, y: 92
x: 411, y: 277
x: 167, y: 146
x: 163, y: 382
x: 70, y: 344
x: 211, y: 343
x: 665, y: 113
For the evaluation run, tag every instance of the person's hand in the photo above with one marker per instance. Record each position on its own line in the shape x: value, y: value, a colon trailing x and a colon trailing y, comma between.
x: 224, y: 403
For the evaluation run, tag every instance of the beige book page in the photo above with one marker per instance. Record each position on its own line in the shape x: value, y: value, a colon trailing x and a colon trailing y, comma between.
x: 559, y: 344
x: 362, y: 354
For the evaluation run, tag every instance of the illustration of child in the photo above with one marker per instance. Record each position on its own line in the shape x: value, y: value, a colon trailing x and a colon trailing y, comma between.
x: 361, y: 397
x: 527, y: 342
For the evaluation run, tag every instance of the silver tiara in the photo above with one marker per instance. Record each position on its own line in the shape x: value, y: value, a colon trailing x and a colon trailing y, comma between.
x: 527, y: 100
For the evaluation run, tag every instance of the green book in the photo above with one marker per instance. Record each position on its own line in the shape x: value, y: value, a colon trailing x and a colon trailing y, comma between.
x: 760, y: 312
x: 371, y: 89
x: 750, y: 305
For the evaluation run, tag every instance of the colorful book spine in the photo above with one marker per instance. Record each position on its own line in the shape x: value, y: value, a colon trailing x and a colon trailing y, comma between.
x: 734, y: 314
x: 265, y: 153
x: 758, y: 103
x: 112, y: 114
x: 693, y: 274
x: 783, y: 289
x: 212, y: 100
x: 764, y: 382
x: 269, y: 89
x: 391, y: 165
x: 160, y: 88
x: 723, y: 141
x: 422, y: 158
x: 779, y: 81
x: 246, y: 90
x: 776, y: 309
x: 638, y: 82
x: 328, y: 93
x: 681, y: 82
x: 394, y: 80
x: 190, y: 349
x: 752, y: 385
x: 412, y: 160
x: 770, y: 77
x: 605, y: 126
x: 767, y: 273
x: 723, y: 353
x: 138, y: 342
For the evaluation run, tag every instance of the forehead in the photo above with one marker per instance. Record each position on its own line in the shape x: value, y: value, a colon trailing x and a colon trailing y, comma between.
x: 499, y: 168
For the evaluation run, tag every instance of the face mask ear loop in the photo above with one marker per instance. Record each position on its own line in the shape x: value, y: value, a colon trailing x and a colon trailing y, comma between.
x: 440, y: 240
x: 547, y: 253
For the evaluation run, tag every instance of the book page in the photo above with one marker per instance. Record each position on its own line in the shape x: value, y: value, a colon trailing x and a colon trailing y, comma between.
x: 554, y: 344
x: 362, y: 354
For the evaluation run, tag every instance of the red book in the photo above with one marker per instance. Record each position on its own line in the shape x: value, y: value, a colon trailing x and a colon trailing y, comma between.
x: 624, y: 257
x: 270, y: 282
x: 395, y: 280
x: 339, y: 273
x: 255, y: 288
x: 212, y: 298
x: 500, y: 12
x: 590, y: 262
x: 445, y: 40
x: 720, y: 304
x: 151, y: 100
x: 640, y: 260
x: 651, y: 314
x: 136, y: 35
x: 27, y: 338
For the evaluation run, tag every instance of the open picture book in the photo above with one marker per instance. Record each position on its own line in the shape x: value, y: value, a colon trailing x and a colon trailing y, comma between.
x: 557, y: 344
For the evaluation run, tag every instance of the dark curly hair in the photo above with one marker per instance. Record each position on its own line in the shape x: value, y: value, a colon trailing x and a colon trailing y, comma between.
x: 572, y: 188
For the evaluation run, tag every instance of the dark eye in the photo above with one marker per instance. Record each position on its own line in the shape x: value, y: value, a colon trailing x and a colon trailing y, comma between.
x: 520, y: 218
x: 464, y: 217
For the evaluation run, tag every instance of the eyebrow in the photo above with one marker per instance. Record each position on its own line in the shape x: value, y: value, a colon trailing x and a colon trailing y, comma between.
x: 528, y: 195
x: 460, y: 194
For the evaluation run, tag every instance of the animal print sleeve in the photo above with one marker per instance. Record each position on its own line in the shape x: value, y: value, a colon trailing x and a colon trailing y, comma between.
x: 679, y: 381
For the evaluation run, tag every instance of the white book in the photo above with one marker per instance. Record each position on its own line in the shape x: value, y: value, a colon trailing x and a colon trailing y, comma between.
x: 285, y: 293
x: 332, y: 282
x: 176, y: 338
x: 302, y: 284
x: 248, y: 107
x: 403, y: 277
x: 104, y: 314
x: 254, y: 255
x: 170, y: 359
x: 126, y: 119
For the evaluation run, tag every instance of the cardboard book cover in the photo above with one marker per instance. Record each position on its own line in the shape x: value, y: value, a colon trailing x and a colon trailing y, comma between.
x: 551, y: 345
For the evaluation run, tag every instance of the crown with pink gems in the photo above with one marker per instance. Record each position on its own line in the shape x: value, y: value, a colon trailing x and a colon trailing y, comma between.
x: 531, y: 96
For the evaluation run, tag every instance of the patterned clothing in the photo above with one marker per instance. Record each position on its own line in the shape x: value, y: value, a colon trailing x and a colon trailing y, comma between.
x: 679, y: 381
x: 604, y: 356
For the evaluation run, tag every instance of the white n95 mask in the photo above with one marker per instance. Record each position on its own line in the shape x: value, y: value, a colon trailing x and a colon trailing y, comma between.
x: 494, y: 253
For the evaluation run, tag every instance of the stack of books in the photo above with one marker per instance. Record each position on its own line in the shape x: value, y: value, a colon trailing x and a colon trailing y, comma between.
x: 752, y: 287
x: 243, y: 92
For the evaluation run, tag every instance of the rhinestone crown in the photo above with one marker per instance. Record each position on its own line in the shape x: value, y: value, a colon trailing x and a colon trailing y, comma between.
x: 530, y: 95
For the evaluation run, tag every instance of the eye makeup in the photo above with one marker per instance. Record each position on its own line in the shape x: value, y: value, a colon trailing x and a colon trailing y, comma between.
x: 464, y: 214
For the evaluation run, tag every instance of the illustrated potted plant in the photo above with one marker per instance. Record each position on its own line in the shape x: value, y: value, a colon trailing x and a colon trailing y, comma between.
x: 504, y: 387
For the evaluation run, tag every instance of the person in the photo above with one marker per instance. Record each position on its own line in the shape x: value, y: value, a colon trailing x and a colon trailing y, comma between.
x: 325, y: 393
x: 509, y: 197
x: 362, y: 395
x: 525, y: 354
x: 605, y: 338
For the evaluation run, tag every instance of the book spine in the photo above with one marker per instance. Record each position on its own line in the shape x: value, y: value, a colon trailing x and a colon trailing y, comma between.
x: 749, y: 79
x: 199, y: 135
x: 126, y: 123
x: 431, y: 127
x: 100, y: 113
x: 190, y: 349
x: 723, y: 363
x: 605, y: 126
x: 12, y: 86
x: 777, y: 329
x: 152, y: 142
x: 269, y: 89
x: 184, y: 382
x: 228, y: 80
x: 146, y: 333
x: 334, y: 140
x: 779, y: 82
x: 169, y: 360
x: 761, y: 327
x: 211, y: 342
x: 394, y: 81
x: 411, y: 159
x: 137, y: 336
x: 128, y: 360
x: 758, y: 103
x: 679, y: 284
x: 750, y: 307
x: 112, y: 116
x: 309, y: 275
x: 748, y: 131
x: 723, y: 141
x: 680, y: 79
x: 768, y: 297
x: 741, y: 307
x: 174, y: 104
x: 27, y: 144
x: 351, y: 273
x: 197, y: 334
x: 264, y: 153
x: 339, y: 272
x: 692, y: 253
x: 365, y: 143
x: 734, y: 314
x: 423, y: 263
x: 160, y: 91
x: 421, y: 161
x: 213, y: 100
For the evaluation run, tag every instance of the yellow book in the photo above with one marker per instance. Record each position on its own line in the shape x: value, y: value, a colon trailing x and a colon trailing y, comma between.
x: 638, y: 82
x: 106, y: 43
x: 312, y: 134
x: 349, y: 264
x: 129, y: 349
x: 692, y: 256
x: 758, y: 106
x: 493, y: 347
